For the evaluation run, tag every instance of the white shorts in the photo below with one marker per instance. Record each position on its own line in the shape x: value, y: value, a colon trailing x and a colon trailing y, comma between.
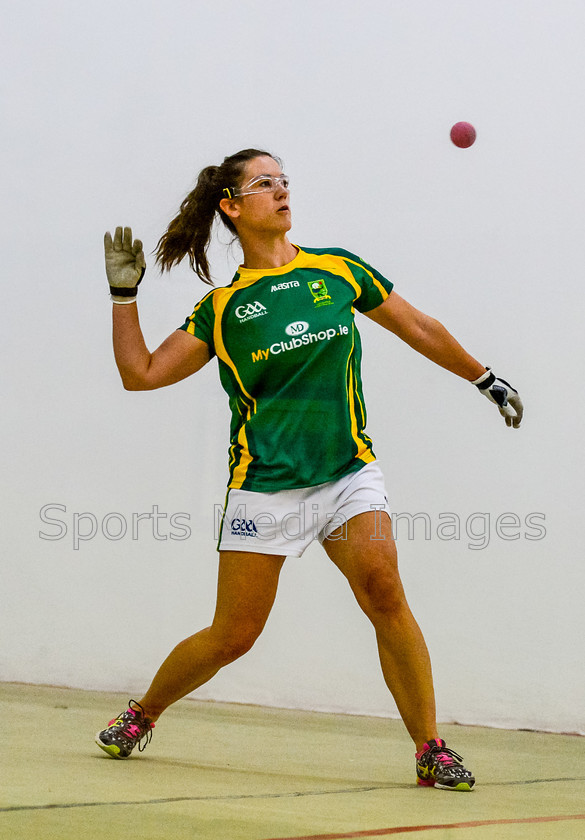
x: 287, y: 521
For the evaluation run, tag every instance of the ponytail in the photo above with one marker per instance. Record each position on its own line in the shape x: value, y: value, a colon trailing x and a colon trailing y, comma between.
x: 189, y: 232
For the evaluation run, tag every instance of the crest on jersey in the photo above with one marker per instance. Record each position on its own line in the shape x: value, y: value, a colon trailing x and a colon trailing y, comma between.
x: 321, y: 296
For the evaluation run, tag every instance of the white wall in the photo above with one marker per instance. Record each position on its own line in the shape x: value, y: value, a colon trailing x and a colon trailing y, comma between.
x: 112, y: 108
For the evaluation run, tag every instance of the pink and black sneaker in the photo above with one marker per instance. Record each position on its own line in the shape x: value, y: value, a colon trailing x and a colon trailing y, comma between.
x: 125, y: 732
x: 438, y: 766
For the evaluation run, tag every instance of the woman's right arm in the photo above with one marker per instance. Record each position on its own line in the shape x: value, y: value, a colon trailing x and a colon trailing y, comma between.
x: 178, y: 356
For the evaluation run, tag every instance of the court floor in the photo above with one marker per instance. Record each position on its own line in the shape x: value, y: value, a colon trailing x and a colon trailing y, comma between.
x: 217, y: 770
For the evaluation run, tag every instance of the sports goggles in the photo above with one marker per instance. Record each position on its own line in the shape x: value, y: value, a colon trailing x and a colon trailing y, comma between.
x: 259, y: 184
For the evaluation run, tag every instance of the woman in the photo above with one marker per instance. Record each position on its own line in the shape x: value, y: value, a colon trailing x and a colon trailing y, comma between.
x: 289, y: 358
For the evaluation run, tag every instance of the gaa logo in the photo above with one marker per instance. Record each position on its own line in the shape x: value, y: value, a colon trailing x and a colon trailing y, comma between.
x: 250, y: 310
x: 243, y: 528
x: 297, y: 328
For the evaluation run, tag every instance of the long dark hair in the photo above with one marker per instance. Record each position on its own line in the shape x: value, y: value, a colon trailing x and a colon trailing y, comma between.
x: 190, y: 231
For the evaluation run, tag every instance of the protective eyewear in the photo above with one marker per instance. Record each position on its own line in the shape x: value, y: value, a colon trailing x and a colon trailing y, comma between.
x: 259, y: 184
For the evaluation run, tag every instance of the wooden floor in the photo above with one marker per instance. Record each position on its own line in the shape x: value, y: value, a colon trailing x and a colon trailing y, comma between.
x: 216, y: 770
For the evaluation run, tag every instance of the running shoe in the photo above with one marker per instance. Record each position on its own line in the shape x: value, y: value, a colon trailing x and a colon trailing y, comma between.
x: 438, y: 766
x: 125, y: 732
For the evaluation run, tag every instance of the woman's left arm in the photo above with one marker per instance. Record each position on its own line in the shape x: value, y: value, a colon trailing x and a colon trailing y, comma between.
x: 429, y: 337
x: 426, y: 335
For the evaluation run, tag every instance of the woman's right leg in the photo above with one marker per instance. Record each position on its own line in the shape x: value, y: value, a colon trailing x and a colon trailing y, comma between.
x: 246, y: 590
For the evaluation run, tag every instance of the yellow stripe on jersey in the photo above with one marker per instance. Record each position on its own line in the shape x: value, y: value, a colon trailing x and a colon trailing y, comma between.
x: 240, y: 472
x: 220, y: 302
x: 375, y: 281
x: 363, y: 451
x: 361, y: 405
x: 191, y: 326
x: 333, y: 264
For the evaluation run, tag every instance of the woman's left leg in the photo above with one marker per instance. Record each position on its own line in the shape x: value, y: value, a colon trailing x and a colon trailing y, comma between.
x: 371, y: 568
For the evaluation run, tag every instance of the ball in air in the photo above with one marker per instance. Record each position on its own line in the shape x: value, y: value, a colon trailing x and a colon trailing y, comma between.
x: 463, y: 134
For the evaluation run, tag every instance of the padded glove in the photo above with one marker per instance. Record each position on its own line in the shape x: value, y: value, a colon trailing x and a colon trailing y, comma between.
x: 125, y: 265
x: 503, y: 395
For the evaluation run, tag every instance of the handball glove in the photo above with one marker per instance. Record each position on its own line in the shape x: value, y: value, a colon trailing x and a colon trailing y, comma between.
x: 125, y: 265
x: 503, y: 395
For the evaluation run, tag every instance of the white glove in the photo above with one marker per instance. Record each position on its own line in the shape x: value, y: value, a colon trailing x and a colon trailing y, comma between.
x: 125, y: 265
x: 503, y: 395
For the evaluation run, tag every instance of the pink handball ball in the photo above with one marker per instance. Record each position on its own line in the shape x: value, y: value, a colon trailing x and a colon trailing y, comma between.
x: 463, y: 134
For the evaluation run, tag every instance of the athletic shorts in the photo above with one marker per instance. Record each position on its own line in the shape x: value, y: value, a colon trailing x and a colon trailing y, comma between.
x: 287, y: 521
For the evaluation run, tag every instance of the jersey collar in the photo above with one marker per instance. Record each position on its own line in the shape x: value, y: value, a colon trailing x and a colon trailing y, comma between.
x: 249, y: 275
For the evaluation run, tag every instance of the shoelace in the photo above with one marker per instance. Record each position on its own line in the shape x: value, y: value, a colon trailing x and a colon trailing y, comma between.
x: 140, y: 722
x: 148, y: 736
x: 446, y: 756
x: 148, y: 733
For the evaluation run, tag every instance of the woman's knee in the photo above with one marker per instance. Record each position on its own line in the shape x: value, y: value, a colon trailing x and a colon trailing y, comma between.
x: 233, y: 642
x: 381, y: 595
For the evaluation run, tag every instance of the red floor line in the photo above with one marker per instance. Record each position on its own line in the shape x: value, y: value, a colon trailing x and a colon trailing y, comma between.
x: 408, y: 829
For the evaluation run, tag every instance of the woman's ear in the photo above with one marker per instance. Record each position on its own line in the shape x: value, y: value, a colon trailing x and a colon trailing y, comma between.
x: 229, y: 206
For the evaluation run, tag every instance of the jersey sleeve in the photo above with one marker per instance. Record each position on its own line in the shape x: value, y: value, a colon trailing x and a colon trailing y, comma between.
x: 201, y: 322
x: 375, y: 288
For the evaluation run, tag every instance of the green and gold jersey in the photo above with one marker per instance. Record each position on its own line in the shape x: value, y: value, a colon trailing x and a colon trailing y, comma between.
x: 289, y: 358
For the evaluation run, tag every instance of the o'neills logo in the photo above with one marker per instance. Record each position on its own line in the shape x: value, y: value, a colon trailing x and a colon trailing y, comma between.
x: 249, y: 311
